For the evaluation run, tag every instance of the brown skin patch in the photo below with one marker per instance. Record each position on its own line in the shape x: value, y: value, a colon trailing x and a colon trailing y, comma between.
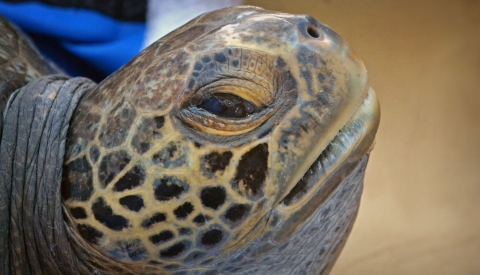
x: 252, y: 172
x: 215, y: 162
x: 154, y: 90
x: 132, y: 202
x: 78, y: 213
x: 111, y: 165
x: 77, y: 180
x: 159, y: 217
x: 161, y: 237
x: 103, y: 213
x: 174, y: 250
x: 169, y: 187
x: 117, y: 126
x: 172, y: 155
x: 89, y: 233
x: 148, y: 131
x: 213, y: 197
x: 133, y: 178
x: 237, y: 212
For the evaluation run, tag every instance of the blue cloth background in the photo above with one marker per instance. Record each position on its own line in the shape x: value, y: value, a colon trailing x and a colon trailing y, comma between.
x: 83, y: 42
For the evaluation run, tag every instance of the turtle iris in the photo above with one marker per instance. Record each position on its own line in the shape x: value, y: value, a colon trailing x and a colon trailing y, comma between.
x: 227, y: 105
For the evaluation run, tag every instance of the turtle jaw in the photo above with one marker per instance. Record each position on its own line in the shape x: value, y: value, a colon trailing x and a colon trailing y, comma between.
x: 353, y: 141
x: 345, y: 155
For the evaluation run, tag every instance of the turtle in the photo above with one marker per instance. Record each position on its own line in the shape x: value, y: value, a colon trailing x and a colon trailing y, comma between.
x: 236, y: 144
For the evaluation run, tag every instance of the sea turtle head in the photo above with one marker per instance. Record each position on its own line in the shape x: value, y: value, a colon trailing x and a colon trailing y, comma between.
x: 182, y: 155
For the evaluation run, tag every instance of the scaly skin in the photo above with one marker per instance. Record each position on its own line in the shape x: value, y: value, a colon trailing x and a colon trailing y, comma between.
x: 160, y: 178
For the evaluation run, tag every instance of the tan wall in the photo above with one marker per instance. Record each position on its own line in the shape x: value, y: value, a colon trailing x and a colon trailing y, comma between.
x: 420, y: 211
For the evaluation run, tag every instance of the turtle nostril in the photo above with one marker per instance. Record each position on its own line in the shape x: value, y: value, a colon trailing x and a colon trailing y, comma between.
x: 313, y: 31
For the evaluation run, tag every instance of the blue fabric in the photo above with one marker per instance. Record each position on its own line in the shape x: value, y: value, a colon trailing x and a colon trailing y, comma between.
x: 99, y: 40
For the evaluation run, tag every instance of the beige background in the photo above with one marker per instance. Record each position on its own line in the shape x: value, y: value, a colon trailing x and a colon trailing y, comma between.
x: 420, y: 211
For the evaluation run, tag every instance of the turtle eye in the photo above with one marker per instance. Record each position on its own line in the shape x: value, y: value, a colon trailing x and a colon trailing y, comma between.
x: 227, y: 105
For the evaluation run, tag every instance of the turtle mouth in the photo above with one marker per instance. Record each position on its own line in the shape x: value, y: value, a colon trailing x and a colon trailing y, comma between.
x: 354, y: 140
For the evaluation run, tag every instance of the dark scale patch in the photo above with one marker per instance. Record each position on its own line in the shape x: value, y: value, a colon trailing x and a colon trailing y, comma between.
x: 159, y: 121
x: 162, y: 237
x: 280, y: 62
x: 78, y: 213
x: 130, y: 180
x: 220, y: 57
x: 206, y: 59
x: 89, y: 233
x: 133, y: 250
x: 111, y: 165
x: 148, y: 130
x: 215, y: 162
x: 94, y: 153
x: 132, y: 202
x: 169, y: 187
x: 252, y: 171
x: 104, y: 214
x: 159, y: 217
x: 201, y: 219
x: 173, y: 251
x: 213, y: 197
x: 198, y: 66
x: 77, y: 183
x: 117, y: 126
x: 236, y: 63
x: 183, y: 210
x: 170, y: 156
x: 212, y: 237
x: 237, y: 212
x: 185, y: 231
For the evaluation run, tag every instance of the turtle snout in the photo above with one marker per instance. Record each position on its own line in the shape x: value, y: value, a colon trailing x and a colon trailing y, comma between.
x: 317, y: 36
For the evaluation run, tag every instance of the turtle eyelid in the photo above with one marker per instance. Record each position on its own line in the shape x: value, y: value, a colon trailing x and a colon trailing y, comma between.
x: 227, y: 105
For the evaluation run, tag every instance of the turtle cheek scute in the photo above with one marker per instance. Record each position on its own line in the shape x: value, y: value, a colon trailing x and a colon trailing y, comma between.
x: 111, y: 165
x: 118, y: 124
x: 213, y: 197
x: 148, y: 131
x: 103, y: 213
x: 215, y: 163
x: 251, y: 172
x: 169, y: 187
x: 133, y: 178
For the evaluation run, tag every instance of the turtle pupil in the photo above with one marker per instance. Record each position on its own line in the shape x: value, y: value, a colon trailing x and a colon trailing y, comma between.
x: 227, y: 105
